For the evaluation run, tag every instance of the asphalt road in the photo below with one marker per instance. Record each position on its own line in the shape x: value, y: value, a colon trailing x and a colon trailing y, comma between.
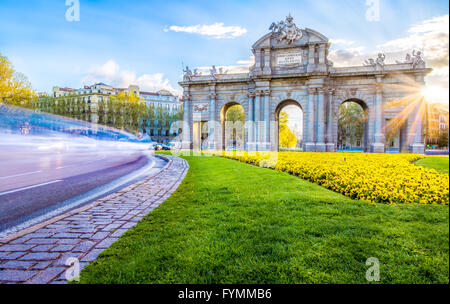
x: 34, y: 181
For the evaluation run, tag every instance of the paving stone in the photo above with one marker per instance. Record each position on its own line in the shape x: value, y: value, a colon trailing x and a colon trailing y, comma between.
x: 42, y: 235
x: 84, y: 246
x: 16, y: 275
x: 41, y: 265
x: 129, y: 225
x: 66, y: 235
x: 62, y: 248
x: 111, y: 227
x: 69, y: 241
x: 40, y: 241
x: 19, y: 265
x: 41, y: 248
x: 20, y: 240
x: 119, y: 232
x: 58, y: 282
x: 39, y: 256
x: 106, y: 242
x: 14, y: 255
x: 92, y: 255
x: 100, y: 235
x: 45, y: 276
x: 15, y: 247
x: 61, y: 261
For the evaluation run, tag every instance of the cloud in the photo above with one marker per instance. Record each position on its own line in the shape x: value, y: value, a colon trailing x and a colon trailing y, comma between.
x: 430, y: 36
x: 216, y: 30
x: 342, y: 42
x: 348, y: 57
x: 111, y: 73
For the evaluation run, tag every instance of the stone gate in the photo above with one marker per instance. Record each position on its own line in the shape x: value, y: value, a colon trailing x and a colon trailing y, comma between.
x: 292, y: 67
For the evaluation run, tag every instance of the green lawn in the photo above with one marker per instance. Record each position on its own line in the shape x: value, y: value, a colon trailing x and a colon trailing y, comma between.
x: 231, y: 222
x: 438, y: 163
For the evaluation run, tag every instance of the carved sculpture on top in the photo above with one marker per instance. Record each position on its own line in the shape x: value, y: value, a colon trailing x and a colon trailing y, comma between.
x: 376, y: 62
x: 286, y: 30
x: 369, y: 62
x: 380, y: 59
x: 213, y: 71
x: 417, y: 60
x: 187, y: 73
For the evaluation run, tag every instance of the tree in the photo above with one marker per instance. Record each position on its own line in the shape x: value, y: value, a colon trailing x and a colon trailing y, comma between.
x: 443, y: 139
x: 236, y: 113
x: 14, y: 87
x: 287, y: 138
x: 350, y: 123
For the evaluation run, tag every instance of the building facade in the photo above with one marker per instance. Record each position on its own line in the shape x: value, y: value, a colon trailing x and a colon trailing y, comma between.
x: 292, y: 68
x: 164, y: 109
x: 438, y: 125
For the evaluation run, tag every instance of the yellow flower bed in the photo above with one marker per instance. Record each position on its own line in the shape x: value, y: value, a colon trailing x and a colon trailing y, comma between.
x: 378, y: 178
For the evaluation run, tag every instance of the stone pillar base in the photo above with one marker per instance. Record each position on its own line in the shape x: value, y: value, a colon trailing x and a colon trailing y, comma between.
x: 251, y: 146
x: 264, y: 146
x: 331, y: 147
x: 377, y: 148
x: 186, y: 145
x: 310, y: 147
x: 321, y: 147
x: 417, y: 148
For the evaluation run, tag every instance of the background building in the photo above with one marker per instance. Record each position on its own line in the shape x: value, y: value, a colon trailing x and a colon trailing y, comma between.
x: 154, y: 114
x: 437, y: 126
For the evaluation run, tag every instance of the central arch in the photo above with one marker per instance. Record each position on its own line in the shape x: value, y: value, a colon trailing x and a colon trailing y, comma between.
x: 233, y: 131
x: 363, y: 117
x: 279, y: 109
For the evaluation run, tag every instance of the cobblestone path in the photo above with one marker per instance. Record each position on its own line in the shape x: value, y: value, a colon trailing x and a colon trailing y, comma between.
x: 38, y: 255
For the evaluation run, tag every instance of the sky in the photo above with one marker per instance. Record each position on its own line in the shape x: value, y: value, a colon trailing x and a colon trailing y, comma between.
x: 147, y: 42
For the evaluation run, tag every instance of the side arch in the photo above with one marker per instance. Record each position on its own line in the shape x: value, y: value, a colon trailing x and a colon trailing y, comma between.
x: 281, y: 105
x: 366, y: 109
x: 235, y: 128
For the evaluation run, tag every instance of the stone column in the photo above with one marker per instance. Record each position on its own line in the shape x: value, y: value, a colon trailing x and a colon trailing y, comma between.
x: 310, y: 144
x: 267, y: 66
x: 251, y: 123
x: 257, y: 120
x: 331, y: 144
x: 266, y: 98
x: 212, y: 144
x: 186, y: 143
x: 320, y: 145
x: 418, y: 145
x: 311, y: 55
x: 257, y: 69
x: 378, y: 142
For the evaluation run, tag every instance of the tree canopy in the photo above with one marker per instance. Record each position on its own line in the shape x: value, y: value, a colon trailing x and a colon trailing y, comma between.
x: 14, y: 86
x: 287, y: 138
x: 350, y: 123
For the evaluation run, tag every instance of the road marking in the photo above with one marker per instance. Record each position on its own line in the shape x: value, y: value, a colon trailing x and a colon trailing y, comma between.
x: 29, y: 187
x: 64, y: 167
x: 15, y: 175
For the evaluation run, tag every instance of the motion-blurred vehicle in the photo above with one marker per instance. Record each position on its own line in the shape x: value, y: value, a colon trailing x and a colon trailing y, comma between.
x: 165, y: 147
